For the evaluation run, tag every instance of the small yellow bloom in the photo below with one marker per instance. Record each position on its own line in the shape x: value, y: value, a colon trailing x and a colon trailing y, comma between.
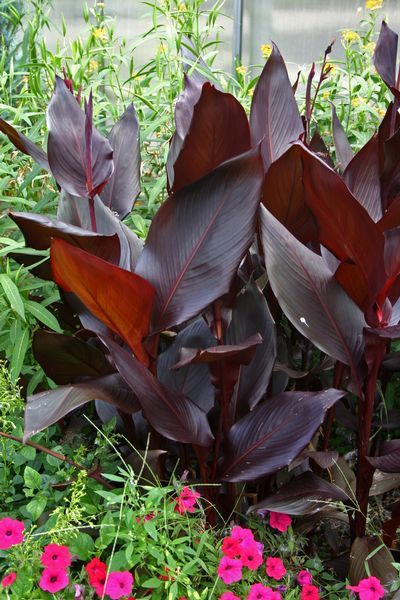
x: 381, y: 112
x: 182, y: 7
x: 100, y: 33
x: 329, y: 68
x: 370, y: 47
x: 373, y: 4
x: 241, y: 70
x: 93, y: 65
x: 250, y: 92
x: 326, y: 95
x: 100, y: 5
x: 356, y: 102
x: 350, y: 37
x: 266, y: 50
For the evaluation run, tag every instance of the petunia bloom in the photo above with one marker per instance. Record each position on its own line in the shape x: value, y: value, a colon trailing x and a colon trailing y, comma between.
x: 309, y: 592
x: 56, y: 557
x: 259, y: 592
x: 8, y: 579
x: 275, y: 568
x: 228, y: 596
x: 230, y: 570
x: 186, y: 501
x: 279, y: 521
x: 241, y: 534
x: 304, y: 578
x: 119, y: 584
x: 230, y: 547
x: 368, y: 589
x: 53, y: 580
x: 95, y: 569
x: 10, y: 532
x: 250, y: 555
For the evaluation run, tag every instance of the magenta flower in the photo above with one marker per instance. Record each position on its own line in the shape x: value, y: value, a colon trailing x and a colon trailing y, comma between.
x: 242, y: 534
x: 230, y: 547
x: 56, y: 557
x: 8, y: 580
x: 230, y: 570
x: 259, y: 592
x: 10, y: 532
x: 186, y: 501
x: 228, y: 596
x: 279, y: 521
x: 119, y: 584
x: 275, y: 568
x: 368, y: 589
x: 250, y: 555
x: 309, y: 592
x: 304, y: 578
x: 53, y: 580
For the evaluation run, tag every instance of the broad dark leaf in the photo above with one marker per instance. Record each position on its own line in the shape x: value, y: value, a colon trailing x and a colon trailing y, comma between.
x: 318, y: 146
x: 39, y: 230
x: 21, y: 142
x: 362, y: 178
x: 170, y: 413
x: 274, y: 117
x: 304, y: 495
x: 69, y: 150
x: 214, y: 220
x: 344, y: 153
x: 309, y: 295
x: 241, y: 353
x: 250, y: 315
x: 274, y: 433
x: 388, y: 460
x: 75, y: 211
x: 66, y: 359
x: 384, y: 482
x: 385, y: 56
x: 218, y: 131
x: 192, y: 380
x: 121, y: 300
x: 390, y: 333
x: 365, y: 550
x: 323, y: 458
x: 123, y: 187
x: 46, y: 408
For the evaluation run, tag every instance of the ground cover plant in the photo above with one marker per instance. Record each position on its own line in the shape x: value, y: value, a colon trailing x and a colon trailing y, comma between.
x: 254, y: 323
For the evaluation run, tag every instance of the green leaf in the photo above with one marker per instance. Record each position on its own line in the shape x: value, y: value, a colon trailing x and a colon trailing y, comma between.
x: 19, y: 351
x: 43, y: 315
x: 152, y: 583
x: 36, y: 507
x: 82, y: 545
x: 28, y: 452
x: 151, y: 529
x: 12, y: 294
x: 32, y: 479
x: 118, y: 561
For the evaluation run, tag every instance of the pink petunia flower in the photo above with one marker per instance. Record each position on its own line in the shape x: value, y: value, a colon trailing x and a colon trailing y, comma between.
x: 242, y: 534
x: 304, y: 578
x: 230, y: 570
x: 95, y: 569
x: 368, y: 589
x: 53, y: 580
x: 79, y: 592
x: 186, y: 501
x: 259, y: 592
x: 275, y: 568
x: 279, y: 521
x: 250, y: 555
x: 56, y: 557
x: 228, y: 596
x: 119, y: 584
x: 309, y: 592
x: 8, y: 579
x: 230, y: 547
x: 10, y: 532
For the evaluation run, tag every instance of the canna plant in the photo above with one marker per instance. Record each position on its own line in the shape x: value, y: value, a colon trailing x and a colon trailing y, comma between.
x: 189, y: 338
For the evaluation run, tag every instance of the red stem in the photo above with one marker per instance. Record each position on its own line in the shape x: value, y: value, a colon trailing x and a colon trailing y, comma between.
x: 92, y: 215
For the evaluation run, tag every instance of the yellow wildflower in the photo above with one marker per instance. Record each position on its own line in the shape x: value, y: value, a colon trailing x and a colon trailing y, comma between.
x: 373, y: 4
x: 250, y: 92
x: 370, y: 47
x: 266, y: 50
x: 356, y: 102
x: 100, y: 33
x: 329, y: 68
x: 350, y: 37
x: 326, y: 95
x: 93, y: 65
x: 381, y: 112
x: 100, y: 5
x: 182, y: 7
x: 241, y: 70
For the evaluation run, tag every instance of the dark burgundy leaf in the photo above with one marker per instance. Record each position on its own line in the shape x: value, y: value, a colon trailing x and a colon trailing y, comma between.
x: 385, y: 56
x: 274, y: 117
x: 46, y: 408
x: 238, y: 354
x: 344, y: 153
x: 323, y: 458
x: 214, y: 227
x: 384, y: 482
x: 121, y: 300
x: 309, y: 295
x: 274, y: 433
x: 304, y: 495
x: 388, y: 460
x: 66, y: 359
x: 380, y: 561
x: 68, y: 149
x: 21, y: 142
x: 391, y: 333
x: 193, y: 380
x: 123, y: 187
x: 390, y: 176
x: 218, y: 131
x: 39, y: 230
x: 250, y: 315
x: 170, y: 413
x: 318, y: 146
x: 362, y: 178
